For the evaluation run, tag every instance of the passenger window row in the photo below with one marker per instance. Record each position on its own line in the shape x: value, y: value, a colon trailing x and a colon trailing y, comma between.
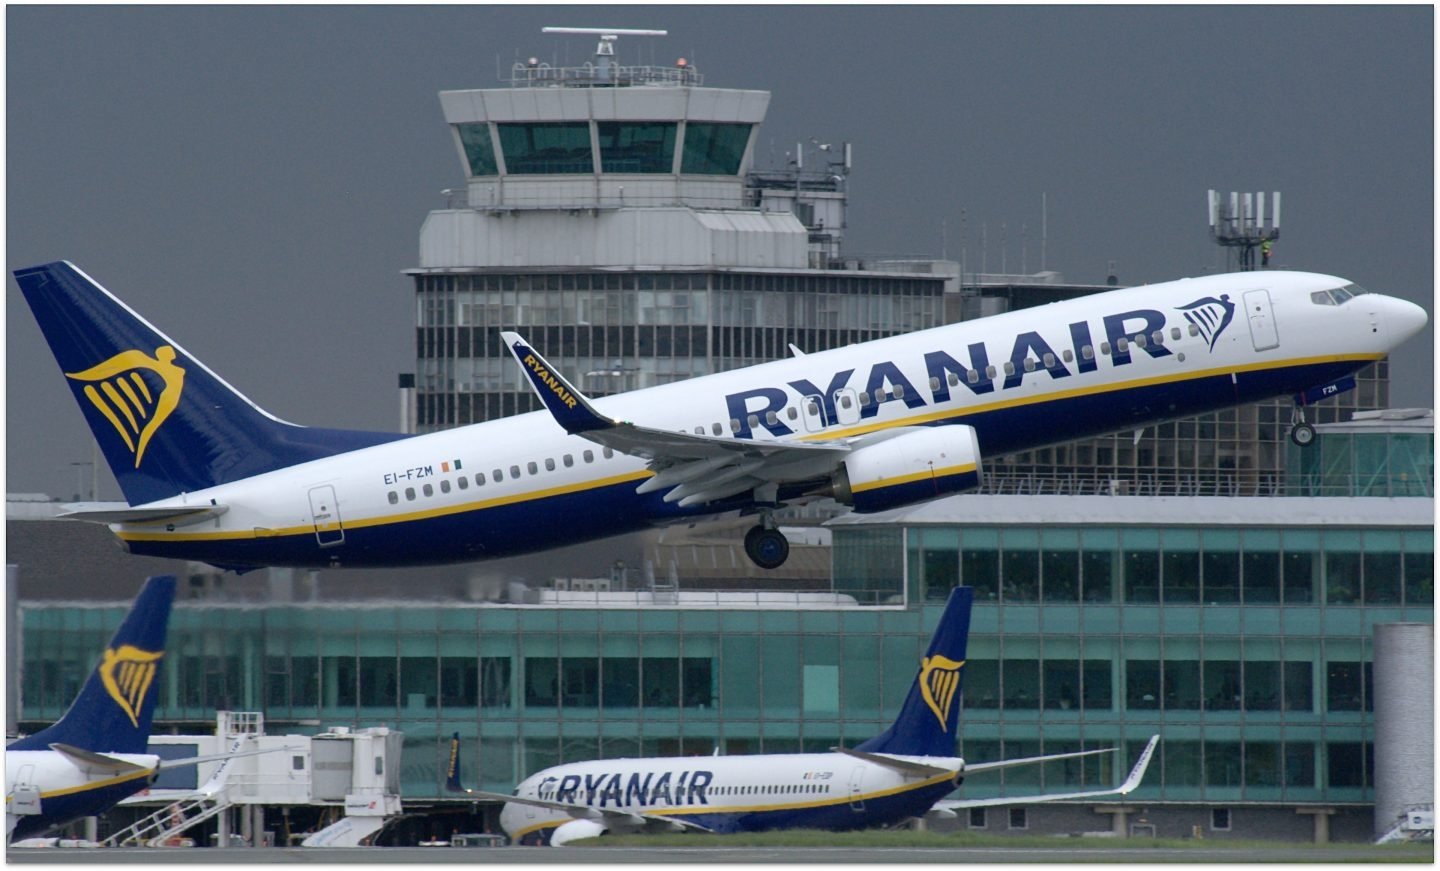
x: 462, y: 482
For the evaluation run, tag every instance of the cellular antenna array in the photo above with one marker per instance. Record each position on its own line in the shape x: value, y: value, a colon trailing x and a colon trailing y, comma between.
x: 1239, y: 223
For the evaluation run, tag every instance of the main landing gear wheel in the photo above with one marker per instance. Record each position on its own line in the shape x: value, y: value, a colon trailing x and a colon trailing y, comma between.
x: 1302, y: 434
x: 767, y: 548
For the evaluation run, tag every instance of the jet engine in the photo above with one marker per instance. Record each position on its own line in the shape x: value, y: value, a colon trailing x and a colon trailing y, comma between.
x: 920, y: 464
x: 575, y: 830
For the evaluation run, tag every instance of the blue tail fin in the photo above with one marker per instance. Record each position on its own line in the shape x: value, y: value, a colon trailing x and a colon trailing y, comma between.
x: 928, y: 720
x: 166, y: 424
x: 112, y: 713
x: 452, y: 769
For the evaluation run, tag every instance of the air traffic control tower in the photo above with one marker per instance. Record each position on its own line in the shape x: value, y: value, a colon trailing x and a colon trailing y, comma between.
x: 612, y: 215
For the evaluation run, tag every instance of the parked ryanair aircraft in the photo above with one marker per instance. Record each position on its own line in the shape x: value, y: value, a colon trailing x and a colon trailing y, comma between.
x: 902, y: 773
x: 207, y: 475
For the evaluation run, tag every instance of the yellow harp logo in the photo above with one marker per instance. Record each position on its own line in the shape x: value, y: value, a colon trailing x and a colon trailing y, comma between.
x: 127, y: 674
x: 939, y: 679
x: 120, y: 391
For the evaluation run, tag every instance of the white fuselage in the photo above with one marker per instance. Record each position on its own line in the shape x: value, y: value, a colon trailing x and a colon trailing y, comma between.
x: 728, y: 793
x: 1113, y: 361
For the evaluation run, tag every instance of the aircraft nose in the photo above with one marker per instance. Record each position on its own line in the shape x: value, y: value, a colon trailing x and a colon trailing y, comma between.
x: 1405, y: 319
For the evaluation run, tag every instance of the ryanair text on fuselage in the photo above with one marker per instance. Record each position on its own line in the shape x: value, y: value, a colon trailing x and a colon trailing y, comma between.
x: 974, y: 372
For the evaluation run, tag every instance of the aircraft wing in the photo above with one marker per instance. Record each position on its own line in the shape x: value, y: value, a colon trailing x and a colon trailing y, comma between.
x: 588, y: 812
x: 1132, y: 781
x: 701, y: 468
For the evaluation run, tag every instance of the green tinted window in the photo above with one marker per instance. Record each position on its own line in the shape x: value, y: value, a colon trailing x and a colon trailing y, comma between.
x: 543, y: 149
x: 714, y: 149
x: 636, y: 147
x: 479, y: 152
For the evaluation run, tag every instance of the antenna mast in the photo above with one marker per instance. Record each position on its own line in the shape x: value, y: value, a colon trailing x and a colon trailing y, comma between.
x: 1240, y: 224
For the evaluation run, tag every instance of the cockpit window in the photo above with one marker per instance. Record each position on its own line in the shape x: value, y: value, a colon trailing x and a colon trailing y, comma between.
x: 1337, y: 295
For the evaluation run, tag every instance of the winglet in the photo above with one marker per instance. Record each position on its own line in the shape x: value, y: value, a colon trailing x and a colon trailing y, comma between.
x: 1141, y: 764
x: 567, y: 405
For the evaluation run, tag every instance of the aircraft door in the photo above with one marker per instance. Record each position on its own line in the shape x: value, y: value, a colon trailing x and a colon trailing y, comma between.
x: 813, y: 410
x: 325, y: 512
x: 857, y: 778
x: 847, y: 406
x: 25, y: 800
x: 1262, y: 320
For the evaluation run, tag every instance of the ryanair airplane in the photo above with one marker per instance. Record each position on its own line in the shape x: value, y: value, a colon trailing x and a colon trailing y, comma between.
x: 95, y: 755
x: 207, y: 475
x: 902, y: 773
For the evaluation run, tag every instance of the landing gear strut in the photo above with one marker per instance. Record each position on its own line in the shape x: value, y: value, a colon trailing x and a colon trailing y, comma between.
x: 766, y: 546
x: 1301, y: 433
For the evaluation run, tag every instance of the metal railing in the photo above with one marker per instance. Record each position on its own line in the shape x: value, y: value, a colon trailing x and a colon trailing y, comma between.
x: 1203, y: 484
x: 588, y: 75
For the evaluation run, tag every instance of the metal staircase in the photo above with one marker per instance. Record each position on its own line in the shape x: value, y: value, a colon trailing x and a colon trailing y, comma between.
x: 1417, y: 823
x: 170, y: 821
x: 210, y: 800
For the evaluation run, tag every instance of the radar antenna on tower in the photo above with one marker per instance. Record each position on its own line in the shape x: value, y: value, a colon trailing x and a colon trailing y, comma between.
x: 605, y: 49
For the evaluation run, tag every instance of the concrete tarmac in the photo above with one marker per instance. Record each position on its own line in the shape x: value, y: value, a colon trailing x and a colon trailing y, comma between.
x: 1287, y: 853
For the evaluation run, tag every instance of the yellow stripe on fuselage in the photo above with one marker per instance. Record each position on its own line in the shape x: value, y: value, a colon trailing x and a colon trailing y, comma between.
x: 98, y: 784
x: 388, y: 519
x: 694, y: 810
x: 1077, y: 392
x: 829, y: 435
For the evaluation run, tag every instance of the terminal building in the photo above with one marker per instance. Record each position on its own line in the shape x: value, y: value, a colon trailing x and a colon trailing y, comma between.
x: 1242, y: 630
x: 1208, y: 581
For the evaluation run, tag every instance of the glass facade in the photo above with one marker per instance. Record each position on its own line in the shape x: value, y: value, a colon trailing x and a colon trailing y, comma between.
x: 1248, y: 649
x: 546, y: 148
x: 613, y: 332
x: 626, y: 147
x: 714, y: 149
x: 479, y: 152
x: 1360, y: 463
x: 636, y: 147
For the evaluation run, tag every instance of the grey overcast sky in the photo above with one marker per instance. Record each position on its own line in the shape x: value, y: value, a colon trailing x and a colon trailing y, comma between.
x: 252, y: 179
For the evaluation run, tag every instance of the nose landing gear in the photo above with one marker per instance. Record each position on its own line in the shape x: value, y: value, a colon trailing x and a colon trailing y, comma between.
x: 1302, y: 434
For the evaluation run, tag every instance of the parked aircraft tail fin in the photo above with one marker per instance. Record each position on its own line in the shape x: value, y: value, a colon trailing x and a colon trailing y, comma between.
x: 112, y: 713
x: 452, y: 768
x: 928, y: 719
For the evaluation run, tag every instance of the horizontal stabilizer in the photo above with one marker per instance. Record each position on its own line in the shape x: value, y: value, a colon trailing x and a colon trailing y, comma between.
x: 96, y: 761
x: 904, y: 766
x: 978, y: 767
x: 1131, y: 782
x: 174, y: 515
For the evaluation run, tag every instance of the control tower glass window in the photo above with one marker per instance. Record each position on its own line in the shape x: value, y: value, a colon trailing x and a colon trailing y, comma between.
x: 630, y: 146
x: 479, y: 153
x: 714, y: 149
x: 546, y: 149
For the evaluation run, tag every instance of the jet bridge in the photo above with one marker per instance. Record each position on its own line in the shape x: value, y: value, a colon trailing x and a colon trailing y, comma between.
x: 354, y: 774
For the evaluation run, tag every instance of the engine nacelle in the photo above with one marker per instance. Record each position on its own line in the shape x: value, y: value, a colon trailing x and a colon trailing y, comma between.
x: 910, y: 468
x: 575, y: 830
